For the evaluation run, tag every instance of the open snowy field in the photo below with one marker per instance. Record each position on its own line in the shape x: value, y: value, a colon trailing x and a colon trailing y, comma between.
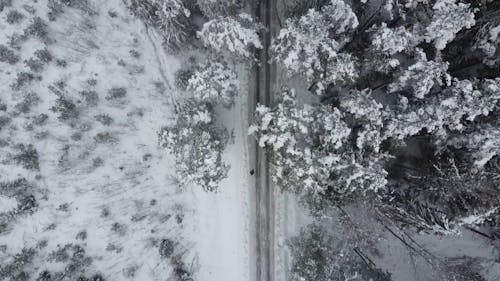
x: 79, y: 149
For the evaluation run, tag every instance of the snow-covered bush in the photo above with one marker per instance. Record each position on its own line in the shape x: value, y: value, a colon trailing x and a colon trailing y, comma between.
x: 15, y: 267
x: 7, y: 55
x: 214, y: 83
x: 166, y: 248
x: 23, y: 193
x: 197, y: 143
x: 236, y: 35
x: 14, y: 17
x: 5, y: 3
x: 311, y: 153
x: 27, y: 157
x: 38, y: 29
x: 65, y: 108
x: 311, y: 45
x: 169, y: 17
x: 23, y: 79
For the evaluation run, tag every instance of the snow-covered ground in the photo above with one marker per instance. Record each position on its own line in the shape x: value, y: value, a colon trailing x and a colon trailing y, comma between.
x: 103, y: 182
x: 222, y: 227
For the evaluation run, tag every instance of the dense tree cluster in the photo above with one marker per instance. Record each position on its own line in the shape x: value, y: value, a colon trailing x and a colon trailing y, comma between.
x: 196, y: 138
x: 407, y: 119
x: 393, y: 74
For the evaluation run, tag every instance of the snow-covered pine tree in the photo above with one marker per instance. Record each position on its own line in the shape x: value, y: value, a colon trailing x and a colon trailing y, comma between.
x: 398, y: 71
x: 311, y: 153
x: 234, y: 36
x: 441, y: 194
x: 169, y: 17
x: 215, y: 83
x: 197, y: 143
x: 312, y: 45
x: 318, y: 255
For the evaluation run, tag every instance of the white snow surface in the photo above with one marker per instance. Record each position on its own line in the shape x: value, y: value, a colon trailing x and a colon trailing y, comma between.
x: 221, y: 228
x: 117, y: 173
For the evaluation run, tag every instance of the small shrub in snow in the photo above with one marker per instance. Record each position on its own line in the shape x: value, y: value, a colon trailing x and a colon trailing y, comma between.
x: 40, y: 119
x: 37, y: 28
x: 135, y: 54
x: 197, y: 143
x: 43, y: 55
x: 105, y: 138
x: 180, y: 270
x: 14, y: 17
x: 237, y: 35
x: 214, y: 83
x: 4, y: 120
x: 76, y: 264
x: 182, y: 77
x: 82, y: 235
x: 90, y: 97
x: 29, y: 100
x: 34, y: 65
x: 61, y: 63
x: 44, y: 276
x: 23, y: 78
x: 118, y: 228
x: 15, y: 268
x: 5, y: 3
x: 166, y: 248
x: 65, y: 108
x: 104, y: 119
x: 7, y: 55
x: 116, y: 93
x: 27, y: 157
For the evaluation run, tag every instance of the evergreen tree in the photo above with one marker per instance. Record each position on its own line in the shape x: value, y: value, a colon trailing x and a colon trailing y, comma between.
x: 319, y: 256
x: 215, y: 83
x: 311, y: 151
x: 233, y: 35
x: 311, y: 45
x: 197, y: 143
x: 216, y: 8
x: 408, y: 70
x: 169, y: 17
